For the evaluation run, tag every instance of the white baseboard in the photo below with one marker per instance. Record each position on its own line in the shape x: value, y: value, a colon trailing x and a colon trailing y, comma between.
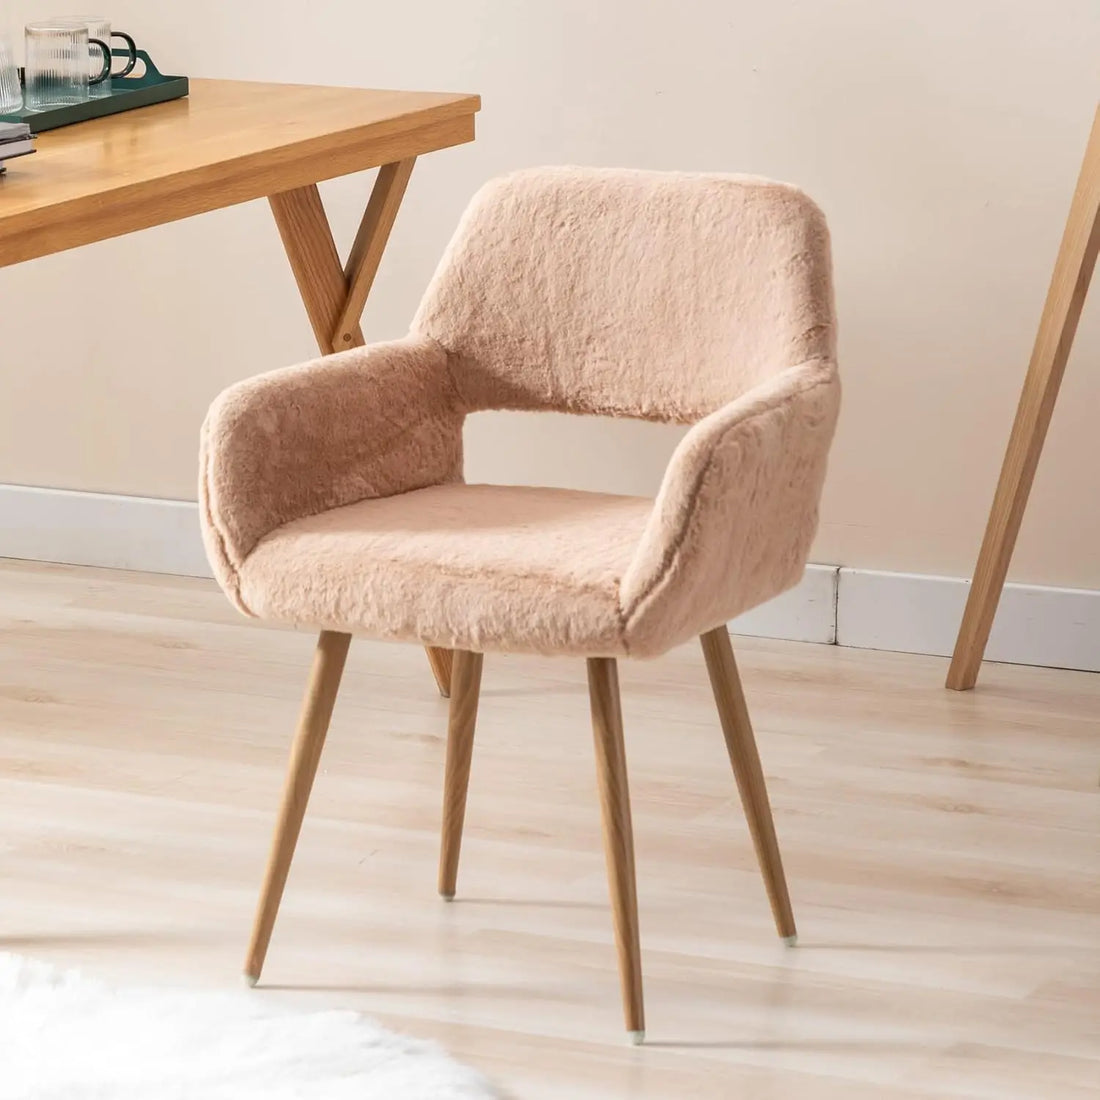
x: 915, y: 613
x: 868, y: 609
x: 912, y: 613
x: 115, y: 532
x: 807, y: 613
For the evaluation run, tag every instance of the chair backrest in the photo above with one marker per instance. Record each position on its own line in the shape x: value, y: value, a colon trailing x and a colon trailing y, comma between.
x: 628, y: 293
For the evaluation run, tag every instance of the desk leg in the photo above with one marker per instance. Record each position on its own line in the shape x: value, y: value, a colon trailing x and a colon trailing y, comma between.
x: 333, y: 295
x: 1065, y: 298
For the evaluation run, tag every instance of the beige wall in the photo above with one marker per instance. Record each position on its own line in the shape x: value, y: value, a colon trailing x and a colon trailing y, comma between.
x: 942, y: 139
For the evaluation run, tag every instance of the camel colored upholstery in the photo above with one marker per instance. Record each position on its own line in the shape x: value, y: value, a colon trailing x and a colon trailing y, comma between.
x: 332, y: 493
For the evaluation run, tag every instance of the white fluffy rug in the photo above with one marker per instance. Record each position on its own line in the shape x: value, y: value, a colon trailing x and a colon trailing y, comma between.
x: 64, y: 1037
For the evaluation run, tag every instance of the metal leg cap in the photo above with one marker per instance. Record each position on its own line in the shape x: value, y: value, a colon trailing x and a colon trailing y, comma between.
x: 636, y: 1037
x: 791, y: 941
x: 251, y: 980
x: 447, y: 897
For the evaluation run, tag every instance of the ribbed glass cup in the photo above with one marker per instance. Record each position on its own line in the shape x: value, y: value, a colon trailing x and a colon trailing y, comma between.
x: 56, y: 64
x: 99, y: 26
x: 11, y: 93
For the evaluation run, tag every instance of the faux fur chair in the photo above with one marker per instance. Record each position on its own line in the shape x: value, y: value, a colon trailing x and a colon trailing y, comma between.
x: 332, y: 493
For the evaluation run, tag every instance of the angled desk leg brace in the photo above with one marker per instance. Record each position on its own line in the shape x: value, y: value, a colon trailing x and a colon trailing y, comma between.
x: 1065, y: 298
x: 334, y: 296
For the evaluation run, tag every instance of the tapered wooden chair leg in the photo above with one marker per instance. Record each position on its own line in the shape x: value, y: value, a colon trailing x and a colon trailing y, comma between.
x: 618, y: 834
x: 442, y: 663
x: 465, y: 683
x: 324, y: 682
x: 741, y: 745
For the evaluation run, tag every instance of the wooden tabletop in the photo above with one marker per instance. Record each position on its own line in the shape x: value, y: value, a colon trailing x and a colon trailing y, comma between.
x: 228, y: 142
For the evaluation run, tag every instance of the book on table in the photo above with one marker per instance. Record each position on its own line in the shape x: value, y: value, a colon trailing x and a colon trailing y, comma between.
x: 16, y: 140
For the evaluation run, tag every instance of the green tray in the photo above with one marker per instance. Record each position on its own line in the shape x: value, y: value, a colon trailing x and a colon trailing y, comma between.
x: 127, y: 92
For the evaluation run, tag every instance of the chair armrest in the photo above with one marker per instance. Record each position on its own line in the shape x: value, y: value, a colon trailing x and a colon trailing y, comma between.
x: 366, y: 423
x: 737, y: 510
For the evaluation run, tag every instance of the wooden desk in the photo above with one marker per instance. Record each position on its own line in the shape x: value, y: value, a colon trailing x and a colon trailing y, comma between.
x: 1069, y: 285
x: 230, y: 142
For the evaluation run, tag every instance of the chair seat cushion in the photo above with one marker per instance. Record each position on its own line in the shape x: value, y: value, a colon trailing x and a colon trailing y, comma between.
x: 475, y: 567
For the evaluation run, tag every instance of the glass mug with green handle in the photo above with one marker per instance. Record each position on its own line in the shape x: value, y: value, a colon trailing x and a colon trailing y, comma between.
x: 11, y: 91
x: 99, y: 30
x: 56, y: 73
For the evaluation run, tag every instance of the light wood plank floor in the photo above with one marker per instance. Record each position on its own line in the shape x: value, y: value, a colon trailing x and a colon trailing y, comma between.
x: 942, y: 851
